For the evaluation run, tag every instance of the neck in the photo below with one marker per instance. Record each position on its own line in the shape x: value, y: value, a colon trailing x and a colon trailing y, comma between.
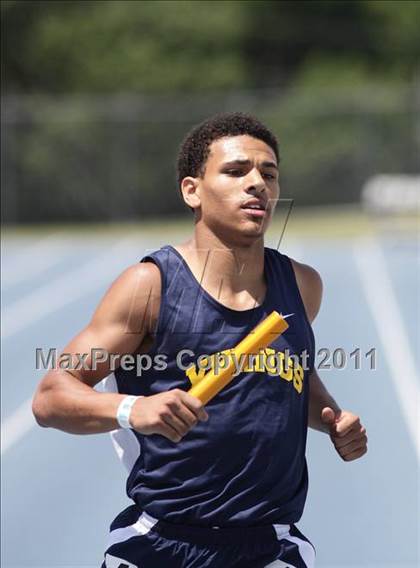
x: 234, y: 273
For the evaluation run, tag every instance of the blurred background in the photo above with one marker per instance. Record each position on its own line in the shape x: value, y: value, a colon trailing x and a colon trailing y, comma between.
x: 96, y: 98
x: 98, y: 95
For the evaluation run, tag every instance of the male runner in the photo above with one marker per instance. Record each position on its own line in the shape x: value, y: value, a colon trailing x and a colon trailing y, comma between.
x: 221, y: 486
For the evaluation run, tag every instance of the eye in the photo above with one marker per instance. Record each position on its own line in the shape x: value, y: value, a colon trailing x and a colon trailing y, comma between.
x: 234, y: 172
x: 269, y: 176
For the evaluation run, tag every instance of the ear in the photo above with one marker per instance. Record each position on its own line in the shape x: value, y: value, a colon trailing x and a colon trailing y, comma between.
x: 190, y: 189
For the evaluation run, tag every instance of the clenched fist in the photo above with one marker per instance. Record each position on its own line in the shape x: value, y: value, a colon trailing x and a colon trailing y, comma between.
x: 346, y: 432
x: 171, y: 414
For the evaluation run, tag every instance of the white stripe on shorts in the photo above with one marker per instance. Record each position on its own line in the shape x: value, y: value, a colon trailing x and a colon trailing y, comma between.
x: 306, y: 550
x: 141, y: 527
x: 281, y: 531
x: 146, y: 522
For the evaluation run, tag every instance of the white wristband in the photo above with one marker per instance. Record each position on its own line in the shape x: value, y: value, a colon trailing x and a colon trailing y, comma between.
x: 124, y: 411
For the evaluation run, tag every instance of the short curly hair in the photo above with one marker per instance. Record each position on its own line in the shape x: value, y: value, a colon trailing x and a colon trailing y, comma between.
x: 195, y: 148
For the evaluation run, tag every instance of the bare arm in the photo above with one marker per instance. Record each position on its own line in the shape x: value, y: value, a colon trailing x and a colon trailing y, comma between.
x: 319, y: 398
x: 344, y: 427
x: 120, y: 325
x: 66, y: 399
x: 310, y: 287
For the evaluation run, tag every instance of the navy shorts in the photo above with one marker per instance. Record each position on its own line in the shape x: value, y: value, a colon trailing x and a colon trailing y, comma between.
x: 138, y: 540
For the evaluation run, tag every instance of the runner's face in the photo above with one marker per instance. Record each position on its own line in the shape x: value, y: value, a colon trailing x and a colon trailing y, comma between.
x: 240, y: 186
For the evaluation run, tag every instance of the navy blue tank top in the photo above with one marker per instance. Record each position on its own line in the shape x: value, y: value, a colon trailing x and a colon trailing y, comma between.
x: 246, y: 465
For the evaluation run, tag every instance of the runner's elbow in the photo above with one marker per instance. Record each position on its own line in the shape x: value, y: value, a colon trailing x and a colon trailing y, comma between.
x: 39, y: 411
x: 41, y: 402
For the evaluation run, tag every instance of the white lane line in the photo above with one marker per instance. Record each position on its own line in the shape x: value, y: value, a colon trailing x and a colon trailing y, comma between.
x: 63, y: 290
x: 33, y: 260
x: 41, y: 261
x: 17, y: 425
x: 385, y: 311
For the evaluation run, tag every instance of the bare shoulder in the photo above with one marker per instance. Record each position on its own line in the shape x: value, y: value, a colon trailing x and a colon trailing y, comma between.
x: 134, y: 296
x: 310, y: 287
x: 144, y: 273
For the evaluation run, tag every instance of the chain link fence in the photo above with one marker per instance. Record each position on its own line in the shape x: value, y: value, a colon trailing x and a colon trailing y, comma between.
x: 112, y: 158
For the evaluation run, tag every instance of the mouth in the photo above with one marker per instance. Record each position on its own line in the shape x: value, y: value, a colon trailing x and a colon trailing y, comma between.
x: 255, y: 208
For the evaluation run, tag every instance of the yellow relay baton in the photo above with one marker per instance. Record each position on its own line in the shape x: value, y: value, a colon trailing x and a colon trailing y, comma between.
x: 259, y: 338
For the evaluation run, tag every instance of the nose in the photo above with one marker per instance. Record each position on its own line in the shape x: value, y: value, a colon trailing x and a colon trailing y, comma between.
x: 255, y: 181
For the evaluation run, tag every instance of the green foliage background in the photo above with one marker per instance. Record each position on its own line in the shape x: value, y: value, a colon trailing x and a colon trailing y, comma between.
x: 98, y: 94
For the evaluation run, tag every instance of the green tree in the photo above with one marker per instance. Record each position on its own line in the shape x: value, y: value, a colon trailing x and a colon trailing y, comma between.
x: 149, y: 46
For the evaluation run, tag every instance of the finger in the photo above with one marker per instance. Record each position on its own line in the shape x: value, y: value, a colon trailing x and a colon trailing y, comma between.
x: 356, y: 454
x: 346, y: 424
x: 352, y: 447
x: 328, y: 416
x: 344, y: 438
x: 185, y: 414
x: 178, y: 425
x: 351, y: 437
x: 182, y: 411
x: 195, y: 405
x: 167, y: 431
